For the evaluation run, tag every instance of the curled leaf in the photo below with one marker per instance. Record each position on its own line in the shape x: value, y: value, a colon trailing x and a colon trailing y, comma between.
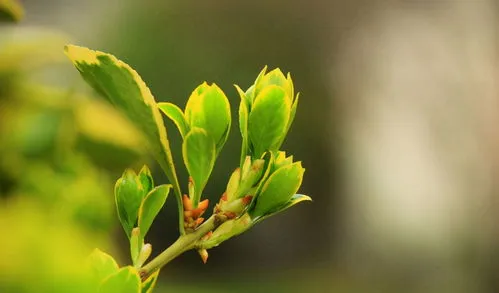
x: 175, y: 114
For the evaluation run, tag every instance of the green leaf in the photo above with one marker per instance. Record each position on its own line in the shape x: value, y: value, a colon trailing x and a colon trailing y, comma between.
x: 128, y: 193
x: 149, y: 283
x: 275, y: 77
x: 291, y: 86
x: 243, y: 124
x: 175, y: 114
x: 268, y: 120
x: 251, y: 92
x: 251, y: 178
x: 280, y: 161
x: 297, y: 198
x: 126, y: 280
x: 136, y: 243
x: 199, y: 156
x: 208, y: 108
x: 102, y: 265
x: 293, y: 112
x: 146, y: 180
x: 290, y: 121
x: 278, y: 189
x: 11, y: 10
x: 123, y: 86
x: 150, y: 207
x: 233, y: 184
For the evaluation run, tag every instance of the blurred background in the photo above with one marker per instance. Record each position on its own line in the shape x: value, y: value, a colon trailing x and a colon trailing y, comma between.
x: 397, y: 128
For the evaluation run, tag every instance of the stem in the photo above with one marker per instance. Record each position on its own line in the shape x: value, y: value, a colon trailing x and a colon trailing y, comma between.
x: 177, y: 191
x: 181, y: 245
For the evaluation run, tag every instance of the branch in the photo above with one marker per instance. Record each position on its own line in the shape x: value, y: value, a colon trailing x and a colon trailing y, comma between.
x: 181, y: 245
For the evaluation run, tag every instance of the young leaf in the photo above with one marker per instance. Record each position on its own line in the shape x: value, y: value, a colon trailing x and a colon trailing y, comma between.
x: 227, y: 230
x: 150, y: 207
x: 251, y: 93
x: 128, y: 194
x: 278, y: 189
x: 123, y: 86
x: 268, y: 119
x: 280, y: 160
x: 102, y: 265
x: 126, y: 280
x: 290, y: 121
x: 149, y: 283
x: 144, y: 254
x: 175, y: 114
x: 135, y: 244
x: 275, y: 77
x: 208, y: 108
x: 198, y: 151
x: 243, y: 124
x: 297, y: 198
x: 11, y: 10
x: 146, y: 180
x: 233, y: 184
x: 252, y: 178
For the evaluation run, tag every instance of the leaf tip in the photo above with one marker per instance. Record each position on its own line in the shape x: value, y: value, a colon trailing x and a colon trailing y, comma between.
x: 79, y: 54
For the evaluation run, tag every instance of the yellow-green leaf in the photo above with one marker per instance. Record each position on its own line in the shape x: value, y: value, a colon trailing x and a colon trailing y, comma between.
x: 208, y: 108
x: 275, y: 77
x: 268, y: 120
x: 102, y: 265
x: 251, y: 92
x: 243, y: 124
x: 123, y: 86
x: 128, y: 193
x: 278, y: 189
x: 150, y: 207
x: 135, y: 244
x: 126, y: 280
x: 297, y: 198
x: 290, y: 121
x: 199, y: 154
x: 175, y: 114
x: 11, y: 10
x: 146, y: 179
